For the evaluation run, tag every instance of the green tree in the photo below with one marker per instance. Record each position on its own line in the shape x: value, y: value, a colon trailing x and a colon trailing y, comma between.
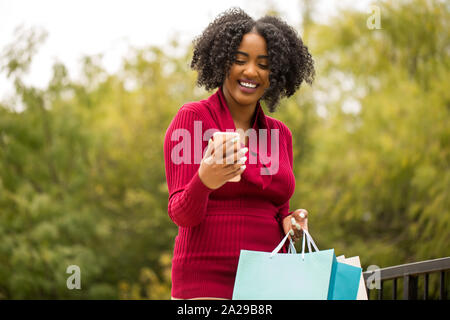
x: 374, y: 170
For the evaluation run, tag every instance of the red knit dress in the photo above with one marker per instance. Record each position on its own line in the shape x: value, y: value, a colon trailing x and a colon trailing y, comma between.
x: 214, y: 225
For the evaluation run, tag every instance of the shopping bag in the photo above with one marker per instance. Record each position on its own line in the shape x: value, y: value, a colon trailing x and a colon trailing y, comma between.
x: 292, y: 276
x: 345, y: 284
x: 354, y: 261
x: 286, y: 276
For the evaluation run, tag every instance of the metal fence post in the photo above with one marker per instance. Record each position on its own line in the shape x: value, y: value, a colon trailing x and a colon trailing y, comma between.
x: 442, y: 283
x: 410, y: 287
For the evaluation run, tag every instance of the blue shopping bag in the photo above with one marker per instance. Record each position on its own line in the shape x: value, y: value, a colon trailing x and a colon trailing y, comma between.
x: 345, y: 284
x: 291, y: 276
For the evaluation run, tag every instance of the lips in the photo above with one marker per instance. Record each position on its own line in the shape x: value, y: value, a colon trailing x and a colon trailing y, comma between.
x: 247, y: 86
x: 248, y: 82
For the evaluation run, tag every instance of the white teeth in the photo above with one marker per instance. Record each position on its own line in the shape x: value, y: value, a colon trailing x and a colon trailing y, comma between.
x: 248, y: 85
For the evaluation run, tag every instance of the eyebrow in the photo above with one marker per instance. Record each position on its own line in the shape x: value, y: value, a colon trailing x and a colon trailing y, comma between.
x: 246, y: 54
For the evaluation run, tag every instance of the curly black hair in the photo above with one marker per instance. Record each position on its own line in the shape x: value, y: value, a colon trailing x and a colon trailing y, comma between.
x: 290, y: 63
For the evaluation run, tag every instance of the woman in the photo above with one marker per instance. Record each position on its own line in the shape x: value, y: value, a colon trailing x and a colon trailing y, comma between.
x: 247, y: 61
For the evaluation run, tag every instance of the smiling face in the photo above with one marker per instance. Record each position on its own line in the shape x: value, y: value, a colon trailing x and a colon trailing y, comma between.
x: 248, y: 77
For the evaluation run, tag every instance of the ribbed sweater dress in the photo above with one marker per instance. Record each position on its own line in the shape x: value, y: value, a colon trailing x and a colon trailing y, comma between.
x: 214, y: 225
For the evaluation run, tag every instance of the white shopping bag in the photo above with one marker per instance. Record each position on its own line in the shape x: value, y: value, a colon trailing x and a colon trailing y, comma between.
x: 354, y: 261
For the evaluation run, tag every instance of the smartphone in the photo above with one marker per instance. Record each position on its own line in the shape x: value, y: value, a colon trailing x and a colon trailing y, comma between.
x: 218, y: 138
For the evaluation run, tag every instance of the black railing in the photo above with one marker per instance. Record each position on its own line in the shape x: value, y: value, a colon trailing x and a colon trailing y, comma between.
x: 409, y: 274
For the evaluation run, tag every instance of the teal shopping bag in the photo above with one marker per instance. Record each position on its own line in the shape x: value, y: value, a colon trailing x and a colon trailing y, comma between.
x: 290, y: 276
x: 345, y: 282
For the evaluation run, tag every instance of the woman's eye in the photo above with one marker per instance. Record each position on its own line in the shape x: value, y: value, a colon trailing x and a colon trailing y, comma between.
x: 241, y: 62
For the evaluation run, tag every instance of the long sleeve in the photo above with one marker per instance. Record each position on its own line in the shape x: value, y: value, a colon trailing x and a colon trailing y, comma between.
x: 188, y: 196
x: 284, y: 208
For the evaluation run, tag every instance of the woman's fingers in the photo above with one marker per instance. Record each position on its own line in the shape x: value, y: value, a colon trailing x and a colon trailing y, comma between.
x: 228, y: 147
x: 296, y: 230
x: 232, y: 165
x: 213, y: 172
x: 232, y: 156
x: 231, y: 147
x: 304, y: 220
x: 236, y: 158
x: 301, y: 217
x: 299, y: 221
x: 235, y: 170
x: 221, y: 151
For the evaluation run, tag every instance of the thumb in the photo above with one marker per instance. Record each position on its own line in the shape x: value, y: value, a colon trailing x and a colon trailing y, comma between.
x: 286, y: 224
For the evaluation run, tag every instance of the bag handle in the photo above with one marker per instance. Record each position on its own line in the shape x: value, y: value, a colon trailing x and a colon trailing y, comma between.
x: 306, y: 236
x: 310, y: 241
x: 280, y: 245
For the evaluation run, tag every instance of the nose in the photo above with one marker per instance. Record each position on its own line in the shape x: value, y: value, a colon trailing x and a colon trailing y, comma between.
x: 250, y: 71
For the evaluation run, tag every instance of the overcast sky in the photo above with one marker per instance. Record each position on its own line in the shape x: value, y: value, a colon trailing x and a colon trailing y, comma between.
x: 79, y: 27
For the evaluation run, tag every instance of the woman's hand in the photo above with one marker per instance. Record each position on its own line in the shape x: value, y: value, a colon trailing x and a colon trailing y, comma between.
x: 294, y: 223
x: 214, y: 174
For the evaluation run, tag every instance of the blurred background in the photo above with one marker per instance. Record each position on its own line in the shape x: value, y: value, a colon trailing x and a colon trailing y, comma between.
x: 88, y: 89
